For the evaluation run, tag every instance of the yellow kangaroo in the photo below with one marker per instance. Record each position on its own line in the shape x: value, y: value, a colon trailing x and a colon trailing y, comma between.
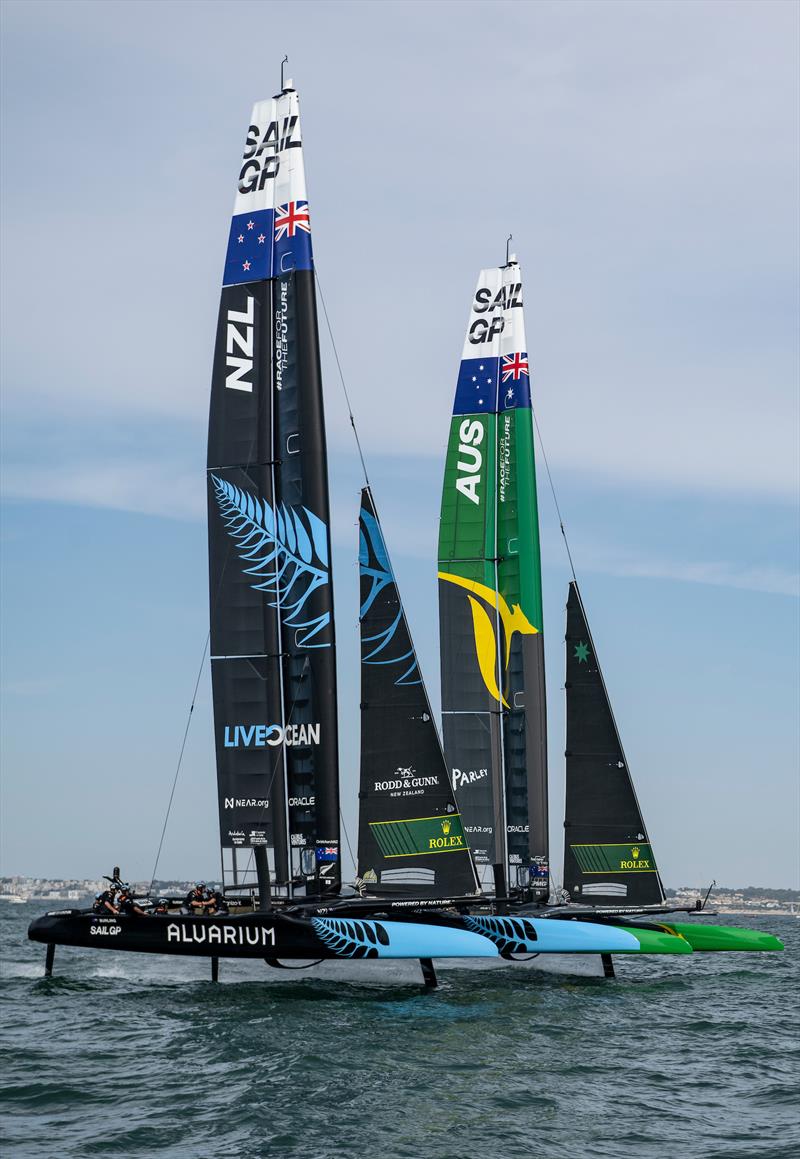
x: 513, y: 620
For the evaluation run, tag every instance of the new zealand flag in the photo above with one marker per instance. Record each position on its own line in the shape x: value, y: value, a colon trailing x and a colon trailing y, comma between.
x: 267, y: 242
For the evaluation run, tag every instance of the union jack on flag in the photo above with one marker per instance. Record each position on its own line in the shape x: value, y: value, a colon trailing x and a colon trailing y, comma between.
x: 290, y: 218
x: 514, y: 366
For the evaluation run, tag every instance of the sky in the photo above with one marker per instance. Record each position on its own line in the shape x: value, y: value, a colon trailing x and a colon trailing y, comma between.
x: 644, y: 157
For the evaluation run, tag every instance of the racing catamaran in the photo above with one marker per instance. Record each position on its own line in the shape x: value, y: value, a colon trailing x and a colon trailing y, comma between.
x: 492, y: 664
x: 423, y: 890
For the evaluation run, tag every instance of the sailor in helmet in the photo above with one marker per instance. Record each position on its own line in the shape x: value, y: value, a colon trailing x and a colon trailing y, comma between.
x: 104, y: 903
x: 128, y: 905
x: 196, y: 901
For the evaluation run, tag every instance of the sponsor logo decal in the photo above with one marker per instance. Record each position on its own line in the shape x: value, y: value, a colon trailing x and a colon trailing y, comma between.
x: 302, y: 802
x: 262, y: 151
x: 246, y: 803
x: 460, y: 779
x: 513, y: 620
x: 206, y: 930
x: 603, y: 859
x: 419, y: 835
x: 491, y: 322
x: 260, y: 735
x: 405, y: 783
x: 106, y: 931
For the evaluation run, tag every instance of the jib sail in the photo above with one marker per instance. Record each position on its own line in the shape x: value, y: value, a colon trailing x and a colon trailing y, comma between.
x: 608, y: 858
x: 411, y: 838
x: 490, y: 600
x: 272, y: 633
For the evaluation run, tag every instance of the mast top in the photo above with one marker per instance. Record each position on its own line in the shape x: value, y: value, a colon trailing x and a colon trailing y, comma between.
x: 511, y: 259
x: 287, y: 85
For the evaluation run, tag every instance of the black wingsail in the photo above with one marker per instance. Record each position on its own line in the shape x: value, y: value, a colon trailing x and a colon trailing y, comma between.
x: 608, y: 858
x: 410, y: 838
x: 272, y: 633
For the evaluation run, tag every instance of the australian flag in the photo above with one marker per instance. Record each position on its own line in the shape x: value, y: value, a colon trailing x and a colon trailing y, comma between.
x: 267, y: 243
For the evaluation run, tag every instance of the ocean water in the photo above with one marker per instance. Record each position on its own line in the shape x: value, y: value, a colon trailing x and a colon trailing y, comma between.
x: 129, y: 1055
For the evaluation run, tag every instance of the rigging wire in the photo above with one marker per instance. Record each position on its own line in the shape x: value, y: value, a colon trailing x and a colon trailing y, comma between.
x: 555, y: 497
x: 351, y: 416
x: 341, y: 378
x: 180, y: 756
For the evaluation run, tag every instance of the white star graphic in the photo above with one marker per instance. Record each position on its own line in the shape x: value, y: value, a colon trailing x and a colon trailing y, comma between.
x: 246, y: 266
x: 474, y: 379
x: 480, y: 368
x: 261, y: 239
x: 241, y: 238
x: 250, y: 224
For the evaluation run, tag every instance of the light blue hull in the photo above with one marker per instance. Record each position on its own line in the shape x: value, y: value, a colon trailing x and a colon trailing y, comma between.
x: 480, y: 937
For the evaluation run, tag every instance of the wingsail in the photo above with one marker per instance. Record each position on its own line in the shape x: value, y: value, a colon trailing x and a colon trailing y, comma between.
x: 490, y: 599
x: 272, y: 632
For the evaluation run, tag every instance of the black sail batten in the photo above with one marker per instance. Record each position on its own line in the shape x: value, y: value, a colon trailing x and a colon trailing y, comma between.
x: 272, y: 630
x: 411, y: 838
x: 608, y: 858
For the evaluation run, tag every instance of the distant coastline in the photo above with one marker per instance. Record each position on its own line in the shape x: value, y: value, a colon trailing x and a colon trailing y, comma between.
x: 748, y: 899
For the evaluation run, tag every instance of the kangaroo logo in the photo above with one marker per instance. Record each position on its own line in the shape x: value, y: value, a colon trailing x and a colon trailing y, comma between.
x: 512, y: 618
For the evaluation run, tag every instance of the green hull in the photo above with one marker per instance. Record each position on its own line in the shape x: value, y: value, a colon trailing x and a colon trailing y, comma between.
x: 656, y: 941
x: 716, y: 938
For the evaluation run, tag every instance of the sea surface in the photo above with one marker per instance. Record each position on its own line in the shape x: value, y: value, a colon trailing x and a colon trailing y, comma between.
x: 129, y: 1055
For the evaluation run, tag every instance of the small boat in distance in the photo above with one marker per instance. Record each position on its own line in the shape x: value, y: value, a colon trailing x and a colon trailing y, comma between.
x: 430, y: 886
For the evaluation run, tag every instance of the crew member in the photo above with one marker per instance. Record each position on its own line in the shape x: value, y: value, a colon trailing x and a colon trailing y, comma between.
x: 216, y: 902
x: 196, y: 901
x: 104, y: 902
x: 128, y: 906
x: 161, y: 906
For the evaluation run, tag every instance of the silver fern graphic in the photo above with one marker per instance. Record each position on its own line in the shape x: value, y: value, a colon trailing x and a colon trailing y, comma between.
x: 510, y: 935
x: 374, y: 562
x: 349, y: 938
x: 286, y: 549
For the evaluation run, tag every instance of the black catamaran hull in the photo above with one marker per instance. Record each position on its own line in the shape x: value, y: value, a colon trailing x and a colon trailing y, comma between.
x: 303, y: 937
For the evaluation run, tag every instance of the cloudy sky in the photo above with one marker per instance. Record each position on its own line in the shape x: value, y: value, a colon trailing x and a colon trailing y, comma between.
x: 645, y: 158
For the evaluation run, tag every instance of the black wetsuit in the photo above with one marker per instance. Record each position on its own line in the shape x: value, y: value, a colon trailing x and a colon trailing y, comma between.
x: 129, y: 907
x: 100, y: 906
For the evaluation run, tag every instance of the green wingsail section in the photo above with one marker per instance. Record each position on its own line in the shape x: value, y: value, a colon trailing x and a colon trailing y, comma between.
x: 708, y: 939
x: 653, y: 941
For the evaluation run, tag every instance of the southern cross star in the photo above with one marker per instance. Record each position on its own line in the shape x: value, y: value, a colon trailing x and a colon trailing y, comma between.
x: 582, y: 653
